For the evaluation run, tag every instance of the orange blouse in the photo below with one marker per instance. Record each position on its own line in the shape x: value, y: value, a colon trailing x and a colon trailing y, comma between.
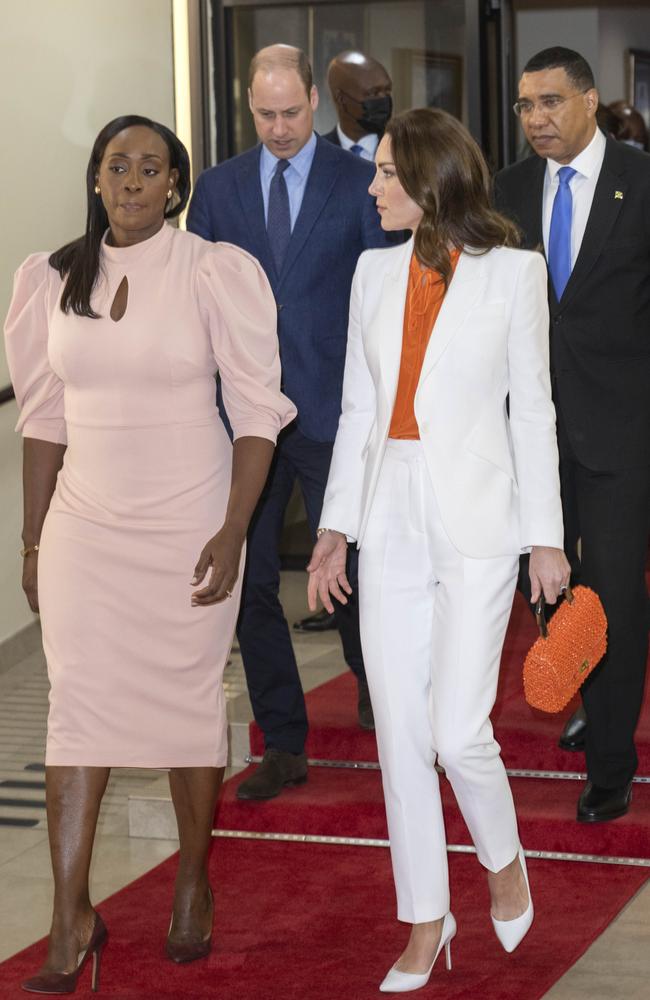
x: 424, y: 298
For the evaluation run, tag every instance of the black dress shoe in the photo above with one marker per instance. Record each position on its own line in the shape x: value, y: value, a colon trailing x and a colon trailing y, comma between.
x: 597, y: 804
x: 278, y: 770
x: 364, y: 706
x: 573, y: 734
x: 322, y: 621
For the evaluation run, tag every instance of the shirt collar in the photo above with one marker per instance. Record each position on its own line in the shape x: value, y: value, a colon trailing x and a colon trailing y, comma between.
x: 368, y: 142
x: 586, y: 162
x: 301, y: 162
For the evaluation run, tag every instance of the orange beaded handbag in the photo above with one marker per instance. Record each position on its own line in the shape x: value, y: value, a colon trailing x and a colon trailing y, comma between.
x: 567, y: 650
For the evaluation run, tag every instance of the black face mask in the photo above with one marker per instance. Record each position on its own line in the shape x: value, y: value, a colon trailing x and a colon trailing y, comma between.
x: 375, y: 112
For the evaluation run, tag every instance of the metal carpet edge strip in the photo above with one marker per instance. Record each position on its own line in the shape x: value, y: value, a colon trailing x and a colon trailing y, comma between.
x: 310, y: 838
x: 369, y: 765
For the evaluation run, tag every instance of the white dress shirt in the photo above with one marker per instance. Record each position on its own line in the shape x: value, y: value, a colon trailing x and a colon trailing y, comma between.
x: 582, y: 184
x: 368, y: 144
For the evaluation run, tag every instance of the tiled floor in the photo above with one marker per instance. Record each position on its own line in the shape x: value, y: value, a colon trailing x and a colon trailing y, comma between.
x: 616, y: 967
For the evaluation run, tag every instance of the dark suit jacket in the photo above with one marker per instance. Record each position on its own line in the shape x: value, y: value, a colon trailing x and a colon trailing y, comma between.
x: 337, y: 222
x: 600, y: 328
x: 332, y: 136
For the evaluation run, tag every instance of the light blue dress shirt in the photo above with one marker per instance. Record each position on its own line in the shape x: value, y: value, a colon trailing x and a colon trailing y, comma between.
x: 368, y: 143
x: 295, y: 176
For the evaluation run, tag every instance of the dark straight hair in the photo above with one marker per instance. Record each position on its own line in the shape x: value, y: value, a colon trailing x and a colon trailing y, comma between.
x: 574, y: 65
x: 442, y: 169
x: 78, y: 262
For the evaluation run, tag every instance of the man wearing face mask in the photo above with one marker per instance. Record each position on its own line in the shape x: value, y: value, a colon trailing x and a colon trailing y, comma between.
x: 361, y: 91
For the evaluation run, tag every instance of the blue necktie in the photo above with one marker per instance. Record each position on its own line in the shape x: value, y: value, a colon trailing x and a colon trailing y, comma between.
x: 559, y: 240
x: 278, y: 219
x: 356, y: 149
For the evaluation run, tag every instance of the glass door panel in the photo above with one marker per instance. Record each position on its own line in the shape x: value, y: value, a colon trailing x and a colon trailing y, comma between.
x: 430, y: 49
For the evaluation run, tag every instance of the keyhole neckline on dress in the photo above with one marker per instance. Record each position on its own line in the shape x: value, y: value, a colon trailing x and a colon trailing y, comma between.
x: 120, y: 300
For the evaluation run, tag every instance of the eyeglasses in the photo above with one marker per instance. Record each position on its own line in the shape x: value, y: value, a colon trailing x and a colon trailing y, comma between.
x: 523, y: 109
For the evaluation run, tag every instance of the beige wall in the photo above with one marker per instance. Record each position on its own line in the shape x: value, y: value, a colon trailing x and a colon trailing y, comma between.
x: 66, y: 68
x: 601, y: 34
x: 574, y: 27
x: 621, y: 28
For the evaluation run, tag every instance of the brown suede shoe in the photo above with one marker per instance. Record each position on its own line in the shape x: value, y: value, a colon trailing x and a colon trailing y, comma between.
x: 278, y: 770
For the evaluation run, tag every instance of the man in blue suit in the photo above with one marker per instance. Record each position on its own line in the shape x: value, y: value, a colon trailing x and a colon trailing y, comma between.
x: 301, y: 206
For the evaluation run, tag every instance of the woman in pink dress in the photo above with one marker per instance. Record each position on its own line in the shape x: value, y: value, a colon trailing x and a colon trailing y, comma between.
x: 136, y: 509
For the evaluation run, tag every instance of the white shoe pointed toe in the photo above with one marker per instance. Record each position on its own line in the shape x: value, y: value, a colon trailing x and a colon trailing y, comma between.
x: 404, y: 982
x: 512, y: 932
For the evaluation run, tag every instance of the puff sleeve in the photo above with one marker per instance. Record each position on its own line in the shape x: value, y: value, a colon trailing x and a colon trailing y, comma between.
x: 39, y: 391
x: 237, y: 303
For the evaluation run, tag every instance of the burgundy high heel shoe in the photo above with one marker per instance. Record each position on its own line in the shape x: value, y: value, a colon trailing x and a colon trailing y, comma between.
x: 189, y: 951
x: 66, y: 982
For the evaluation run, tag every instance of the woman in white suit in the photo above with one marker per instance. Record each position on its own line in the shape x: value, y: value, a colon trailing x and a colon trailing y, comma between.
x: 442, y: 485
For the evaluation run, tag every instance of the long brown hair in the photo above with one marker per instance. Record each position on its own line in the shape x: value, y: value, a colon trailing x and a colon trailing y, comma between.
x: 443, y: 170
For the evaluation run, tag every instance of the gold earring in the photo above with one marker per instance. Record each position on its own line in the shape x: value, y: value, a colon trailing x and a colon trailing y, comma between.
x: 97, y: 189
x: 169, y: 194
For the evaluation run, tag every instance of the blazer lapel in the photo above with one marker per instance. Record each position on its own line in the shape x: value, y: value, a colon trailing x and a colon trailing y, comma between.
x: 249, y: 189
x: 391, y: 318
x: 321, y: 180
x: 611, y: 188
x: 464, y: 289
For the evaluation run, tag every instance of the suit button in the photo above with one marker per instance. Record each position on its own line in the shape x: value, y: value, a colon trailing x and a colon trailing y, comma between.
x: 558, y: 318
x: 280, y: 307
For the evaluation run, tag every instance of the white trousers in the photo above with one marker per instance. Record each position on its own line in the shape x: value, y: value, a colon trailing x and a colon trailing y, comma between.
x: 433, y: 624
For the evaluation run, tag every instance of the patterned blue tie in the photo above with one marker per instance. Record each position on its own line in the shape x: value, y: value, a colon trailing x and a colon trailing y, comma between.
x: 356, y: 149
x: 559, y: 240
x: 278, y: 220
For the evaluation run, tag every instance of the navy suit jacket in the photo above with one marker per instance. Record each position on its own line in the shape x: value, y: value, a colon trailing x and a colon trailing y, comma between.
x: 336, y: 223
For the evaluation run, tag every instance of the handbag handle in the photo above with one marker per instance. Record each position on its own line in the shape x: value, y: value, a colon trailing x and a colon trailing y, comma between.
x: 540, y: 611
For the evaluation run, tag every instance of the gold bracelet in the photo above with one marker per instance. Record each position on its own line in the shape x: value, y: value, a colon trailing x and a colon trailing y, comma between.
x: 321, y: 531
x: 28, y: 550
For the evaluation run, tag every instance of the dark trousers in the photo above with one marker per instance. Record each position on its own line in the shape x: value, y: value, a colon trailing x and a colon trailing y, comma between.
x: 269, y: 662
x: 610, y: 513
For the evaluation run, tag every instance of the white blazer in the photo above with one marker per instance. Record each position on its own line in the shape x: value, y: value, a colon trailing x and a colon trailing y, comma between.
x: 495, y: 476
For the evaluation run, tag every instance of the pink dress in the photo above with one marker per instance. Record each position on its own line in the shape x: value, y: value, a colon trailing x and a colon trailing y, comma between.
x: 135, y: 671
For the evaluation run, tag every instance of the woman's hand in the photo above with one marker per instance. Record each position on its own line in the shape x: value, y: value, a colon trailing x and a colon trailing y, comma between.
x: 223, y: 554
x: 549, y: 571
x: 30, y: 582
x: 327, y: 571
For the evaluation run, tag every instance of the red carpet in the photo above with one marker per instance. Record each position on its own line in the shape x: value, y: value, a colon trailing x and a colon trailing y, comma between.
x: 528, y: 738
x: 347, y: 803
x: 315, y: 922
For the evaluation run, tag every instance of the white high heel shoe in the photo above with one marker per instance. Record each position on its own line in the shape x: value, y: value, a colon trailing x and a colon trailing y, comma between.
x: 404, y: 982
x: 512, y: 932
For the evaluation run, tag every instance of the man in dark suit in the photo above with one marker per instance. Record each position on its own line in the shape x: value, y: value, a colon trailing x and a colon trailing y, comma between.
x: 301, y: 206
x: 362, y: 93
x: 586, y: 199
